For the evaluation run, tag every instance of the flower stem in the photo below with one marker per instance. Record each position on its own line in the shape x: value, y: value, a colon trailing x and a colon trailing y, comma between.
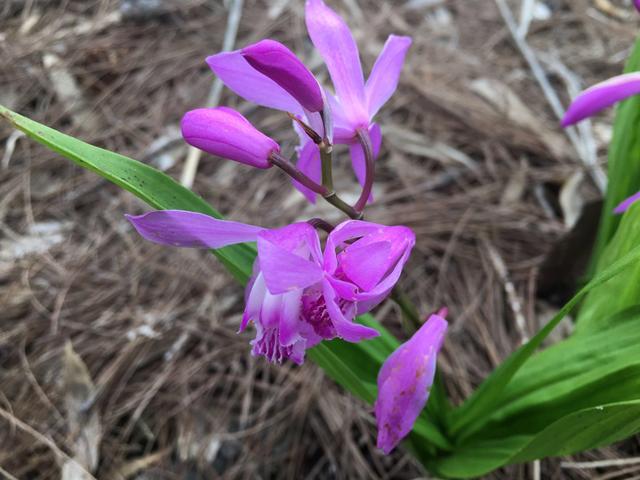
x: 409, y: 310
x: 329, y: 195
x: 365, y: 140
x: 326, y: 159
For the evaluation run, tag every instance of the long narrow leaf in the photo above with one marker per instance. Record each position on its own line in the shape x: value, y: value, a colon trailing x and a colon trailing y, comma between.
x: 476, y: 410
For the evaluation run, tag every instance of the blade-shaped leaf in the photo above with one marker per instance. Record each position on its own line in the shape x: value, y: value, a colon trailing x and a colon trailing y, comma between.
x: 578, y: 431
x: 624, y: 162
x: 476, y: 410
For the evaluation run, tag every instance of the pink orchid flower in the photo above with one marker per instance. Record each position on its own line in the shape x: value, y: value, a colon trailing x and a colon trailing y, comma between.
x: 269, y: 74
x: 298, y: 295
x: 597, y: 98
x: 404, y: 382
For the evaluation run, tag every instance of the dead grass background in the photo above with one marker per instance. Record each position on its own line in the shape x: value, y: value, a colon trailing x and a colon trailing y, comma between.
x: 473, y: 160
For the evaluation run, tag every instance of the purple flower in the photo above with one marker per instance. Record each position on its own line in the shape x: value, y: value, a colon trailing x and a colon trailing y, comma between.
x: 601, y: 96
x: 405, y: 380
x: 298, y: 295
x: 624, y: 205
x: 354, y: 104
x: 280, y: 64
x: 636, y: 3
x: 224, y: 132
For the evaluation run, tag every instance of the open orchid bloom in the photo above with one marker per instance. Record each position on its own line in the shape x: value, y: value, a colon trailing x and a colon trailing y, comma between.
x: 269, y: 74
x: 600, y: 96
x: 224, y: 132
x: 298, y: 295
x: 404, y: 382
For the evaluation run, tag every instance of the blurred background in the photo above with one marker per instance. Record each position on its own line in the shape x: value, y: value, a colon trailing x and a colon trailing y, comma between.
x: 124, y: 355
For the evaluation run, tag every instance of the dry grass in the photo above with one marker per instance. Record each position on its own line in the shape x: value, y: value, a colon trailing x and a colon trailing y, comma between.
x: 176, y: 391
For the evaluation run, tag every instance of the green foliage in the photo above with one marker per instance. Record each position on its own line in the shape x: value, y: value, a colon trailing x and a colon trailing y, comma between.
x: 624, y: 161
x: 581, y: 393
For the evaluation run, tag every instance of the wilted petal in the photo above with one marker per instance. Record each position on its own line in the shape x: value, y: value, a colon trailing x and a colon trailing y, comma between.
x: 600, y: 96
x: 357, y: 154
x: 309, y: 164
x: 383, y: 80
x: 624, y: 206
x: 239, y: 76
x: 284, y: 256
x: 181, y: 228
x: 345, y: 327
x: 281, y: 65
x: 332, y: 37
x: 224, y: 132
x: 404, y: 382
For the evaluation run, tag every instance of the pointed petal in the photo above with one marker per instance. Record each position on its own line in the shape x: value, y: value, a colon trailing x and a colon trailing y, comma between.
x: 357, y: 154
x: 285, y: 263
x: 404, y: 382
x: 601, y: 96
x: 624, y: 206
x: 181, y: 228
x: 309, y: 164
x: 236, y: 73
x: 345, y: 328
x: 383, y: 80
x: 332, y: 37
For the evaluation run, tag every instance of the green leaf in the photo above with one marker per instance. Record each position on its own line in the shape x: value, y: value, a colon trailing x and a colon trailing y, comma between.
x: 621, y: 291
x: 581, y: 430
x: 354, y: 366
x: 475, y: 412
x: 624, y: 161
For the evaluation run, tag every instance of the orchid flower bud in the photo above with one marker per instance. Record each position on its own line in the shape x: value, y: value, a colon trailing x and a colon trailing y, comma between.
x: 404, y: 382
x: 281, y: 65
x: 226, y: 133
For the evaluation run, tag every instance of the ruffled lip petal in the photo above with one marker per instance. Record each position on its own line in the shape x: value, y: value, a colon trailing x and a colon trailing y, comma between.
x: 180, y: 228
x: 601, y: 96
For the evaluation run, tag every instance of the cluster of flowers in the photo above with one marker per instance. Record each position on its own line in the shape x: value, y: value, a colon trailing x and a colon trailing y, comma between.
x: 301, y: 294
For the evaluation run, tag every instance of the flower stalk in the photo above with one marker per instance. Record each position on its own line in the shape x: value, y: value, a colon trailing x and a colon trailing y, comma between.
x: 365, y: 141
x: 329, y: 195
